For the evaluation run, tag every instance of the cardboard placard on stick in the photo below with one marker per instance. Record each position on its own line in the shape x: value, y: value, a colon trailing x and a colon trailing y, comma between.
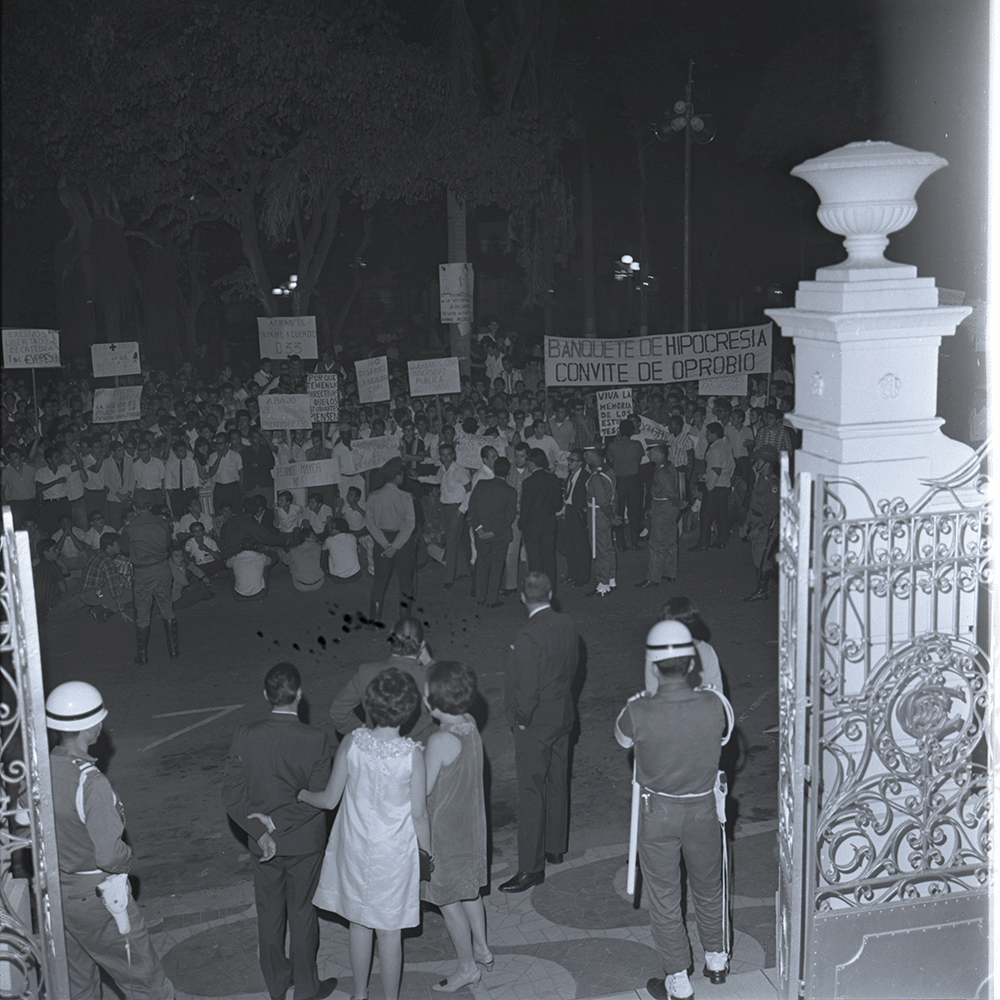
x: 120, y: 358
x: 373, y: 380
x: 302, y: 475
x: 119, y: 404
x: 285, y: 412
x: 613, y: 406
x: 468, y: 449
x: 434, y: 376
x: 282, y: 336
x: 373, y: 453
x: 31, y: 348
x: 324, y: 397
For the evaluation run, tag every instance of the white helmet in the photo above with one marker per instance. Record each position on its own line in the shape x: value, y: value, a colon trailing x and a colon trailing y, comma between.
x: 74, y: 706
x: 667, y: 641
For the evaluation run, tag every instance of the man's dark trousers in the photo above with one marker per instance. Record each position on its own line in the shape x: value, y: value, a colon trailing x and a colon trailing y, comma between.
x: 491, y: 556
x: 714, y: 507
x: 405, y: 564
x: 541, y: 757
x: 575, y: 545
x: 540, y: 547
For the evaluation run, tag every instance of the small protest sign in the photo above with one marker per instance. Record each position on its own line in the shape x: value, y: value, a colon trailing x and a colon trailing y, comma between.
x: 283, y: 336
x: 302, y: 475
x: 652, y: 431
x: 434, y: 376
x: 120, y: 404
x: 468, y: 450
x: 285, y: 412
x: 723, y: 385
x: 324, y: 397
x: 31, y: 349
x: 613, y: 407
x: 373, y: 380
x: 456, y: 283
x: 373, y: 453
x: 121, y: 358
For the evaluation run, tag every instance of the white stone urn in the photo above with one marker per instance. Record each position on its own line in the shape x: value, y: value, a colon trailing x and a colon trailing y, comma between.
x: 867, y: 190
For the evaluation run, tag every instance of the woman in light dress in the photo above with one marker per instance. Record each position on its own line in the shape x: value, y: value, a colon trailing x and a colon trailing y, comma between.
x: 371, y: 871
x: 457, y: 811
x: 706, y: 672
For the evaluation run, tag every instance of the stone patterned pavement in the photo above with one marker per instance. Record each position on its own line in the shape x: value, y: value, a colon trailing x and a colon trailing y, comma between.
x: 578, y: 935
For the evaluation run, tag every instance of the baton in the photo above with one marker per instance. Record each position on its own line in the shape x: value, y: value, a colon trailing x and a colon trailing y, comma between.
x: 633, y: 836
x: 593, y: 527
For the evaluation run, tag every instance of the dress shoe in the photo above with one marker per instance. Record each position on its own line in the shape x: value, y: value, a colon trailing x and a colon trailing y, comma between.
x: 693, y: 548
x: 646, y: 584
x: 717, y: 971
x: 326, y: 987
x: 522, y: 881
x: 757, y: 595
x: 454, y: 983
x: 554, y: 859
x: 676, y: 987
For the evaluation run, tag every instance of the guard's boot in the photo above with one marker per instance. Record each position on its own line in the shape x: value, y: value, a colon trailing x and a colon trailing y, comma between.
x: 142, y: 643
x: 760, y: 594
x: 375, y: 611
x: 173, y: 643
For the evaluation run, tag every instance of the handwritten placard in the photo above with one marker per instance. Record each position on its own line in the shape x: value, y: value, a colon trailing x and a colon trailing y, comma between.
x: 120, y: 358
x: 468, y: 450
x: 613, y: 407
x: 114, y: 405
x: 324, y: 397
x: 373, y: 380
x: 456, y: 283
x: 31, y: 349
x: 282, y: 336
x: 301, y: 475
x: 434, y: 376
x: 285, y: 412
x: 652, y: 431
x: 373, y: 453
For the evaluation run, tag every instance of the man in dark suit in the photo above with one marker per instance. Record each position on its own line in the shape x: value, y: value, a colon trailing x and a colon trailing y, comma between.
x: 269, y: 762
x: 574, y: 543
x: 492, y: 509
x: 409, y: 654
x: 240, y: 525
x: 541, y: 500
x: 539, y: 708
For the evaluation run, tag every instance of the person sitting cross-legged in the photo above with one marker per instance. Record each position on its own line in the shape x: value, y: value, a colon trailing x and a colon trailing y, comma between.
x: 303, y: 561
x: 185, y: 590
x: 341, y: 549
x: 203, y: 551
x: 102, y: 587
x: 250, y: 571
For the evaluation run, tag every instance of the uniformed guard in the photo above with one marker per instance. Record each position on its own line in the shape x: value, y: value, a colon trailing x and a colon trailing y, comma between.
x: 146, y: 541
x: 104, y: 927
x: 681, y: 807
x: 761, y: 526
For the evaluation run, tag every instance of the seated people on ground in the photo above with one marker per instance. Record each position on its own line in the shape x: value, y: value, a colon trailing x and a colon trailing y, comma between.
x: 342, y: 553
x: 188, y: 591
x: 303, y: 561
x: 288, y: 515
x: 318, y: 514
x: 250, y: 571
x: 204, y: 552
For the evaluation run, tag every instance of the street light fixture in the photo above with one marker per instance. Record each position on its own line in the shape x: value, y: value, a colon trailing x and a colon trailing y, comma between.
x: 699, y: 129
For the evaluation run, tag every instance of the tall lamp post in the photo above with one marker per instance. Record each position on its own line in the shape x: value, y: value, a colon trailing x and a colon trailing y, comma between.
x: 696, y: 128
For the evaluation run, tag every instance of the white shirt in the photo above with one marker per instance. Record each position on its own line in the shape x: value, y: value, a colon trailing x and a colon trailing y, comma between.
x: 172, y: 473
x: 452, y: 481
x: 229, y: 468
x: 149, y: 475
x: 183, y: 526
x: 342, y: 551
x: 205, y: 553
x: 719, y: 455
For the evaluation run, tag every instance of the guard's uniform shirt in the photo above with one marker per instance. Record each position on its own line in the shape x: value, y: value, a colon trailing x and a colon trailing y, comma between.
x: 147, y: 539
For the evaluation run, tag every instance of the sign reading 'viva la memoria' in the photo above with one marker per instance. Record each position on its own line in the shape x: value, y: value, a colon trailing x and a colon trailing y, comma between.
x: 659, y: 358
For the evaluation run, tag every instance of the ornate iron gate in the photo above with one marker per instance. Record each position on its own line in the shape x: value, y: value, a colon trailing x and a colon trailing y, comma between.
x: 32, y: 946
x: 884, y: 811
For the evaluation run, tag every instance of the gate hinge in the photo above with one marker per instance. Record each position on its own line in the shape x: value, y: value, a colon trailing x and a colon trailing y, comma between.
x: 802, y: 989
x: 807, y: 773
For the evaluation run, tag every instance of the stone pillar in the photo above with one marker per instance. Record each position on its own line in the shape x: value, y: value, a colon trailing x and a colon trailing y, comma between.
x: 867, y: 332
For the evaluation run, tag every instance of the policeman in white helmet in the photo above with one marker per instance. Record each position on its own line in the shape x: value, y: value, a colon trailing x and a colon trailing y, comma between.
x: 104, y: 927
x: 678, y: 807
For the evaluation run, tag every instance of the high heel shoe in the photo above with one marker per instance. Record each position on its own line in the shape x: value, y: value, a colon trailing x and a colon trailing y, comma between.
x: 453, y: 985
x: 487, y: 966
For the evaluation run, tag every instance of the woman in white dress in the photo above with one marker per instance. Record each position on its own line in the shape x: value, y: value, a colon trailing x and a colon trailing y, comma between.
x: 706, y: 672
x: 371, y: 871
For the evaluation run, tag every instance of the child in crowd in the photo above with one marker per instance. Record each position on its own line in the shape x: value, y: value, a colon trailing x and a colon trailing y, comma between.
x: 185, y: 590
x: 371, y: 871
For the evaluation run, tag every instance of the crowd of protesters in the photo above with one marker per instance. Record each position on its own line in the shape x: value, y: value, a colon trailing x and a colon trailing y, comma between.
x: 198, y: 456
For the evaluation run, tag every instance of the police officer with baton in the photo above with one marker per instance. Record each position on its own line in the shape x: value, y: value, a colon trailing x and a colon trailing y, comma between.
x: 679, y: 807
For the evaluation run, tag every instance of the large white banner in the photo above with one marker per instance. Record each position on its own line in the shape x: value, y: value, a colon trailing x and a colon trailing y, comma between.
x: 31, y: 349
x: 324, y: 397
x: 659, y: 358
x: 373, y: 380
x: 282, y: 336
x: 115, y: 359
x: 285, y: 412
x: 114, y: 405
x: 613, y: 406
x: 434, y: 376
x: 302, y: 475
x: 468, y: 449
x: 456, y: 283
x: 373, y: 453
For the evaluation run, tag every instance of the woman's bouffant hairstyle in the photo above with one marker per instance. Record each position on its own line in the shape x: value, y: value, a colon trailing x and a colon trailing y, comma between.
x: 391, y: 698
x: 451, y: 687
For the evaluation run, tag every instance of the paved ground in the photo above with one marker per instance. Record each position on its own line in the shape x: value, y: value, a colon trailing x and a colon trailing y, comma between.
x: 578, y: 935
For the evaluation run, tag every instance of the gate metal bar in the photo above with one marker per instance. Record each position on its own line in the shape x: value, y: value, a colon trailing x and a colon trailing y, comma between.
x: 32, y: 959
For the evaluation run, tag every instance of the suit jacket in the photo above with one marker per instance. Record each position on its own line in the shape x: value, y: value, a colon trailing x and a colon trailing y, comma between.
x: 541, y: 500
x: 578, y: 501
x: 540, y: 673
x: 342, y: 710
x: 269, y: 762
x: 493, y: 505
